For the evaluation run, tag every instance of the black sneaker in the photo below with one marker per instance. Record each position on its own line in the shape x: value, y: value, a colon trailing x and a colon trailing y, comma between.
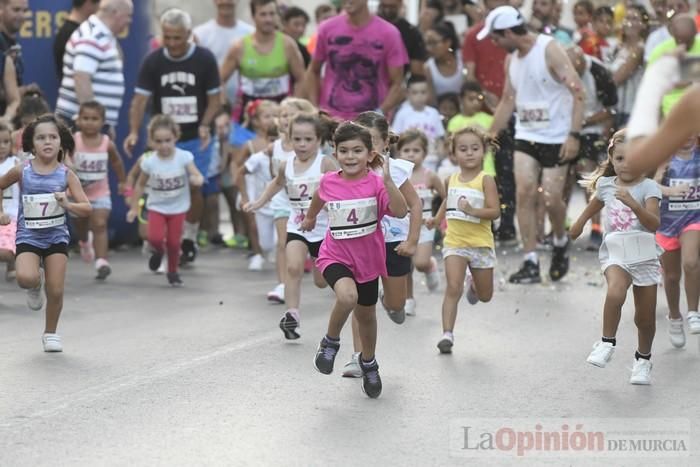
x: 371, y: 382
x: 174, y: 279
x: 154, y: 261
x: 325, y: 356
x: 288, y: 325
x: 189, y: 250
x: 217, y: 240
x: 529, y: 273
x: 595, y: 240
x: 560, y: 262
x: 506, y: 236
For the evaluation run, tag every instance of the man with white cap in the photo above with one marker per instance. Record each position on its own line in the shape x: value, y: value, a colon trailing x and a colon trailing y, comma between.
x: 545, y: 91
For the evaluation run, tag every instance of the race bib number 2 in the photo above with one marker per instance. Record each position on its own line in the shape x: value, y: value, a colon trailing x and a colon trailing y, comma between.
x: 42, y: 211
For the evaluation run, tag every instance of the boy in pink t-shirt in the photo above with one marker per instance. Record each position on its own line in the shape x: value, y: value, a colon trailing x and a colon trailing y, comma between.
x: 364, y: 57
x: 353, y: 256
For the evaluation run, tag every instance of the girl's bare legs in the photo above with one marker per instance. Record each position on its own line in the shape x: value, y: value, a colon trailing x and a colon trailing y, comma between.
x: 280, y: 255
x: 295, y: 254
x: 98, y: 224
x: 690, y: 248
x: 345, y: 301
x: 483, y: 283
x: 55, y: 266
x: 366, y: 317
x: 455, y: 272
x: 671, y: 262
x: 618, y: 282
x: 645, y: 316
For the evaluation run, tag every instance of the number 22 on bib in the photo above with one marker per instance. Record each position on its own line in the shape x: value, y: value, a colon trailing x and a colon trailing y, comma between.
x: 352, y: 218
x: 42, y: 211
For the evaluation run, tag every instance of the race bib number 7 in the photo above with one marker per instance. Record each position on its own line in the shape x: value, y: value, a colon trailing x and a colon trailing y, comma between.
x: 353, y: 218
x: 42, y: 211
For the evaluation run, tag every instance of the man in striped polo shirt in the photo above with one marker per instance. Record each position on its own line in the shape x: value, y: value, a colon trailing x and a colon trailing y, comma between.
x: 92, y: 63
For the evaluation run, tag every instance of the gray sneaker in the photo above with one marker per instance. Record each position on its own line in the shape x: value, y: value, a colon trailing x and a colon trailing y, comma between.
x: 396, y: 316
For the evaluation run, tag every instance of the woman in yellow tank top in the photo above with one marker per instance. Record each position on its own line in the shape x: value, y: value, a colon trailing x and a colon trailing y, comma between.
x: 470, y: 206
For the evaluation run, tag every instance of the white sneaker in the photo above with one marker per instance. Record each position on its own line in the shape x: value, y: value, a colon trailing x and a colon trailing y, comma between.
x: 641, y: 372
x: 432, y: 278
x: 163, y: 268
x: 255, y: 263
x: 676, y: 334
x: 472, y: 297
x: 52, y: 343
x: 446, y: 343
x: 694, y: 322
x: 277, y: 294
x: 352, y: 368
x: 35, y: 297
x: 601, y: 354
x: 410, y: 307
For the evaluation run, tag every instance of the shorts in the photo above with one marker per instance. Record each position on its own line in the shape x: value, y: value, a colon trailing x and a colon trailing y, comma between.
x: 103, y: 202
x: 313, y: 247
x: 396, y: 265
x: 281, y: 214
x: 547, y: 155
x: 367, y: 292
x: 478, y: 258
x: 211, y: 186
x: 8, y: 234
x: 202, y: 157
x: 643, y: 274
x: 426, y: 235
x: 593, y: 147
x: 674, y: 243
x: 55, y: 249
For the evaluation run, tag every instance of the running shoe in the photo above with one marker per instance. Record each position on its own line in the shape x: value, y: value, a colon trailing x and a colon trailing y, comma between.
x: 87, y: 252
x: 641, y: 372
x: 276, y: 295
x: 155, y: 262
x: 676, y: 333
x: 446, y: 343
x: 432, y: 278
x: 288, y: 325
x: 529, y: 273
x: 506, y: 236
x: 560, y: 262
x: 103, y: 269
x: 371, y: 382
x: 174, y: 279
x: 471, y: 295
x: 410, y: 307
x: 52, y: 343
x: 35, y: 297
x: 256, y: 263
x: 325, y: 356
x: 217, y: 239
x: 694, y: 322
x: 595, y: 240
x: 189, y: 250
x: 601, y: 354
x: 352, y: 368
x: 396, y: 316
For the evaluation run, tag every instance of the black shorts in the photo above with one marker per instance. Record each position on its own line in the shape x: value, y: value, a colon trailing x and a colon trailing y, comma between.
x: 547, y: 155
x: 593, y: 148
x: 55, y: 249
x: 396, y: 265
x: 367, y: 292
x: 312, y: 246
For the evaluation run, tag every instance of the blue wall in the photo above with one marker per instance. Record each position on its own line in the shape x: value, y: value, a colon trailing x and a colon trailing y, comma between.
x: 36, y: 38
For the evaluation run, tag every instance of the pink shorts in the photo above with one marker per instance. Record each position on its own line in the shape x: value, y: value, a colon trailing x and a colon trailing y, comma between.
x: 674, y: 243
x: 8, y: 234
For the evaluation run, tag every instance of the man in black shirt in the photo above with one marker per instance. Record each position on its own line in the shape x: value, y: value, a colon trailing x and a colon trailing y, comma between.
x: 390, y: 10
x: 82, y: 9
x: 182, y: 80
x: 12, y: 15
x: 294, y: 24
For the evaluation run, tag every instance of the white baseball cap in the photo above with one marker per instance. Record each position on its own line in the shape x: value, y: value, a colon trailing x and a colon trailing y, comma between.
x: 503, y: 17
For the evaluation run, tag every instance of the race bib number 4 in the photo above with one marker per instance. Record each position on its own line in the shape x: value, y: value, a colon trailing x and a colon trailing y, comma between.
x: 300, y: 192
x: 353, y: 218
x: 42, y: 211
x: 474, y: 197
x: 534, y: 116
x: 182, y: 109
x: 91, y: 167
x: 167, y: 185
x: 689, y: 202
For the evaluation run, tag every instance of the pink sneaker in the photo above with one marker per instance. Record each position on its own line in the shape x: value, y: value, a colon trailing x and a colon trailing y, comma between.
x: 87, y: 252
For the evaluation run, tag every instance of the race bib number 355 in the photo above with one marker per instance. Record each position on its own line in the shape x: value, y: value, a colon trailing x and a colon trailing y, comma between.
x: 353, y: 218
x: 42, y: 211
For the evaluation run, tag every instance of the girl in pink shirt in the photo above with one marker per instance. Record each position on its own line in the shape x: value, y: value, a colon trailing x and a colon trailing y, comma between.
x: 353, y: 256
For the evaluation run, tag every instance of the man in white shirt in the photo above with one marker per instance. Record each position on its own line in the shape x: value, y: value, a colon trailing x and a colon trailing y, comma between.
x: 664, y: 9
x: 219, y: 34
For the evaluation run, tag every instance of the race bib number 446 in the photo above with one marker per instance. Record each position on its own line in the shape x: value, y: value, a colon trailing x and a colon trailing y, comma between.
x: 91, y: 167
x: 42, y: 211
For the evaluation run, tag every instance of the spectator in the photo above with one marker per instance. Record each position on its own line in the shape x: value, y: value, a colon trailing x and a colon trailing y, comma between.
x: 268, y: 60
x: 664, y: 10
x: 596, y: 43
x: 219, y: 33
x: 448, y: 106
x: 9, y: 91
x: 431, y: 13
x: 92, y: 64
x: 294, y: 24
x: 547, y: 95
x: 627, y: 64
x: 12, y: 16
x: 444, y: 68
x: 322, y: 13
x: 583, y: 15
x: 182, y: 81
x: 545, y: 20
x: 81, y: 10
x: 365, y: 60
x: 390, y: 10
